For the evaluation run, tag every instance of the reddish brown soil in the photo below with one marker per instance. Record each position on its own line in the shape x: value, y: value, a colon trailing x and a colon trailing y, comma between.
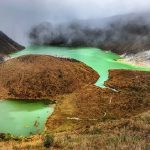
x: 36, y: 77
x: 91, y: 104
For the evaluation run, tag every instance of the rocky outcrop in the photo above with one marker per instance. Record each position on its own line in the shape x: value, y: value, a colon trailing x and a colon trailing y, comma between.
x: 41, y: 76
x: 7, y: 45
x: 90, y: 105
x: 139, y: 59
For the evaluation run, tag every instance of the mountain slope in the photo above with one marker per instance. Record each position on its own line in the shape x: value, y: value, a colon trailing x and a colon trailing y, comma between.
x: 7, y: 45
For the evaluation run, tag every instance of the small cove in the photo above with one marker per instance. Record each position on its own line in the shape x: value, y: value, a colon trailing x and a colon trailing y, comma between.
x: 23, y: 117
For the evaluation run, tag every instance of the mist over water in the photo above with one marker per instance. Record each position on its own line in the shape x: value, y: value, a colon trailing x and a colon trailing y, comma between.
x: 121, y: 34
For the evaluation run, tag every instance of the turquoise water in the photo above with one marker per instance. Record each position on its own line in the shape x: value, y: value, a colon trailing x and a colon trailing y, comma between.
x: 23, y: 118
x: 99, y: 60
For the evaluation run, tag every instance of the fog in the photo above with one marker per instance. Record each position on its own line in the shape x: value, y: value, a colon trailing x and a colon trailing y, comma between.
x: 18, y: 16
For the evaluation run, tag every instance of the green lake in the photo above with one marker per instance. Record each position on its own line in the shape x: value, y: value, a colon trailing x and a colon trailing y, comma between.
x: 23, y: 118
x: 99, y: 60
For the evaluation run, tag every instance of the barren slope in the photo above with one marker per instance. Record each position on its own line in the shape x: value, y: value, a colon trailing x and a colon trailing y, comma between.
x: 37, y: 76
x: 91, y: 104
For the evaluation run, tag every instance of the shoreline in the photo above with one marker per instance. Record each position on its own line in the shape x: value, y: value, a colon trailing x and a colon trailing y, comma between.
x: 133, y: 63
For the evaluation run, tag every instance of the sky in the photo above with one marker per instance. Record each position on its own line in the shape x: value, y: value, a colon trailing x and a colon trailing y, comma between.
x: 18, y: 16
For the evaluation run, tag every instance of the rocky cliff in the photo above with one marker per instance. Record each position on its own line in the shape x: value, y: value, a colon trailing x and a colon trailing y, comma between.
x: 7, y: 45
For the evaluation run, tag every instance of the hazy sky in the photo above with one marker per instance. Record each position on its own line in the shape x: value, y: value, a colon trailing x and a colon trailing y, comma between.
x: 17, y: 16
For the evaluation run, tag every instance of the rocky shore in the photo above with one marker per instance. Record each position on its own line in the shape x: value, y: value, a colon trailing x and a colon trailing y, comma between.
x: 140, y: 59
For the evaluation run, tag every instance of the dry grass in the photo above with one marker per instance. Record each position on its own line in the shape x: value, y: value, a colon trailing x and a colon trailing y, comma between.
x: 124, y: 134
x: 92, y: 118
x: 91, y: 104
x: 127, y: 134
x: 40, y: 76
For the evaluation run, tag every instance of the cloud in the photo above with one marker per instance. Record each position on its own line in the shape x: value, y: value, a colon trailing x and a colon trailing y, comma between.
x: 17, y: 16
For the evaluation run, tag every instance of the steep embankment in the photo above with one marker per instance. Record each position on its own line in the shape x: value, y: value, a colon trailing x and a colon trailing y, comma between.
x: 7, y: 45
x: 91, y: 104
x: 41, y: 76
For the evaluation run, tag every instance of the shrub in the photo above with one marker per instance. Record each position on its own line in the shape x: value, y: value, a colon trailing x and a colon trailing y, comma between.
x: 48, y: 140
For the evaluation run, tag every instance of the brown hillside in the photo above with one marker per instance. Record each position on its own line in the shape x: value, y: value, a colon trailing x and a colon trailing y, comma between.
x: 94, y: 118
x: 129, y: 80
x: 91, y: 104
x: 38, y: 76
